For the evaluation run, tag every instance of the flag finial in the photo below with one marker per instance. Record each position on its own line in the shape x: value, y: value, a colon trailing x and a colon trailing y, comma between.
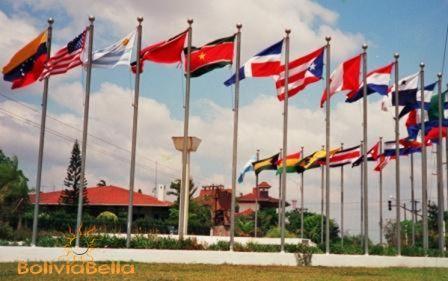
x: 50, y: 21
x: 139, y: 19
x: 328, y: 38
x: 396, y: 55
x: 439, y: 75
x: 422, y: 65
x: 190, y: 21
x: 239, y: 25
x: 364, y: 46
x: 91, y: 19
x: 287, y: 31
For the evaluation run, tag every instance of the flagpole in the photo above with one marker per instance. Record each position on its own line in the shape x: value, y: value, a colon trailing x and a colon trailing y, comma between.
x: 361, y: 208
x: 412, y: 199
x: 134, y: 133
x: 301, y: 196
x: 279, y: 194
x: 183, y: 214
x: 446, y: 153
x: 256, y: 196
x: 440, y: 216
x: 285, y: 141
x: 424, y: 168
x: 397, y: 160
x: 42, y: 137
x: 366, y: 190
x: 327, y: 144
x: 342, y: 201
x: 235, y: 136
x: 322, y: 179
x: 381, y: 195
x: 84, y: 129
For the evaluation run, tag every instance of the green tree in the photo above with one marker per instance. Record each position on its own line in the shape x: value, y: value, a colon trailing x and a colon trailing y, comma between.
x: 13, y: 191
x: 199, y: 219
x: 73, y: 181
x: 267, y: 219
x: 175, y: 190
x: 244, y: 226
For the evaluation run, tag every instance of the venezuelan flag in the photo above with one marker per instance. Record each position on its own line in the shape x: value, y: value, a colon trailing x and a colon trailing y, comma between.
x: 27, y: 64
x: 292, y: 161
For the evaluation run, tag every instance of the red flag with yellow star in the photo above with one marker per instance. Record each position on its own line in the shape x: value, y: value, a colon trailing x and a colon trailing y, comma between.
x: 216, y: 54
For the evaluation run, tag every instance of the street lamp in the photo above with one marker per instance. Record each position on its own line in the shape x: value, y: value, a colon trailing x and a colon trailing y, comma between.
x: 184, y: 198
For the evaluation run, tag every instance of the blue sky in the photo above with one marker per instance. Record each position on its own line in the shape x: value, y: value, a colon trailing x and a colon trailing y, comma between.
x: 415, y: 29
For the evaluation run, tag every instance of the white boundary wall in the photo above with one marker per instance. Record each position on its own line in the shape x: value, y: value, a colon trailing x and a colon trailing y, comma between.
x: 16, y: 253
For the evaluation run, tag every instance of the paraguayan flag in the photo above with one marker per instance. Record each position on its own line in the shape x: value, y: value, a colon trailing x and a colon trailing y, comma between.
x: 118, y: 53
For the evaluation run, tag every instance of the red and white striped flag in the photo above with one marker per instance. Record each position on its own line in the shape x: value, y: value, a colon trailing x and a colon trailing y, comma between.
x: 66, y: 58
x: 345, y: 156
x: 302, y: 72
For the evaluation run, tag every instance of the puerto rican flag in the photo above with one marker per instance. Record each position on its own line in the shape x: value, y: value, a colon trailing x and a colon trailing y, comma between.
x: 344, y: 78
x: 264, y: 64
x: 377, y: 82
x: 302, y: 72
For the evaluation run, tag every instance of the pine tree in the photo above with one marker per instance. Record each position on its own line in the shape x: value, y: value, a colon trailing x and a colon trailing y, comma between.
x: 73, y: 181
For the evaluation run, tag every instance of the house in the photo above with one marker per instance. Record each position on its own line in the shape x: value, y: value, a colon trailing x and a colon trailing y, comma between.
x: 114, y: 199
x: 250, y: 202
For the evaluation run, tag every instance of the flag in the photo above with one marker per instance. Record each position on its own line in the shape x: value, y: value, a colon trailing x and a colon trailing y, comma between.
x: 414, y: 102
x: 66, y: 58
x: 377, y: 82
x: 407, y: 90
x: 390, y: 149
x: 247, y: 168
x: 314, y: 160
x: 291, y: 163
x: 302, y: 72
x: 216, y: 54
x: 413, y: 124
x: 118, y: 53
x: 26, y: 66
x: 372, y: 155
x: 344, y: 77
x: 433, y: 108
x: 265, y: 63
x: 382, y: 162
x: 345, y: 156
x: 433, y: 135
x: 266, y: 164
x: 168, y: 51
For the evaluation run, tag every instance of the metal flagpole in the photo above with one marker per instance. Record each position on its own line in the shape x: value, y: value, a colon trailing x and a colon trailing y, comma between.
x: 322, y: 179
x: 185, y: 185
x: 279, y: 194
x: 397, y: 160
x: 446, y: 155
x: 440, y: 216
x: 235, y: 135
x: 134, y: 132
x: 42, y: 137
x: 342, y: 201
x: 413, y: 216
x: 285, y: 141
x: 301, y: 196
x: 381, y: 195
x: 424, y: 168
x: 364, y: 174
x: 327, y: 147
x: 256, y: 197
x: 84, y: 129
x: 361, y: 208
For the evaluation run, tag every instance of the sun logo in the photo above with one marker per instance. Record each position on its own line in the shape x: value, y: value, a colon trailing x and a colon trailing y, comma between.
x: 75, y: 254
x: 125, y: 42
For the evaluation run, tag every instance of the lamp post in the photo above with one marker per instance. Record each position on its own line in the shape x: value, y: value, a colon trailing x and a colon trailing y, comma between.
x: 184, y: 195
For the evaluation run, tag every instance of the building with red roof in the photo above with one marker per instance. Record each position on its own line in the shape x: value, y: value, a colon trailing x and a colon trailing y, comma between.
x: 250, y: 202
x: 111, y: 198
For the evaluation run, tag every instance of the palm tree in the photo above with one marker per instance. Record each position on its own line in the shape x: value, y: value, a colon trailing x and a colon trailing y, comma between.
x: 175, y: 189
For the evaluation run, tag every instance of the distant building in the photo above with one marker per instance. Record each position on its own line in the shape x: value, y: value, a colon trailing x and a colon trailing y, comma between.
x: 219, y: 199
x: 114, y: 199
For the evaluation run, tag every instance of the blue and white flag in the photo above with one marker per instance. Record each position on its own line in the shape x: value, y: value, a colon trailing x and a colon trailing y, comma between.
x: 118, y: 53
x: 407, y: 90
x: 247, y: 168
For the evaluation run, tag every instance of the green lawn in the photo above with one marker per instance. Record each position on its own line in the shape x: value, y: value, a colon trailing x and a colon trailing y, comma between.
x: 8, y: 271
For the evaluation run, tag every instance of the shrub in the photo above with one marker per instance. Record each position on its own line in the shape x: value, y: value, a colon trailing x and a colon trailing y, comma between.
x: 219, y: 246
x: 275, y: 233
x: 6, y: 231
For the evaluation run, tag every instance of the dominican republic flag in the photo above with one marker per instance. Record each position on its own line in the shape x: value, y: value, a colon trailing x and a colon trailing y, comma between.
x: 390, y: 146
x: 377, y: 82
x: 372, y: 155
x: 265, y: 63
x: 302, y: 72
x: 344, y: 78
x: 414, y: 102
x: 345, y: 156
x: 407, y: 90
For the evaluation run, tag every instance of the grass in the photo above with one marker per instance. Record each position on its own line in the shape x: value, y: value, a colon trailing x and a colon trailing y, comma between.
x: 8, y: 272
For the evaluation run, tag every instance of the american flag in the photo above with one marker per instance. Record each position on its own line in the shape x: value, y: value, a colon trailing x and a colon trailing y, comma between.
x: 302, y: 72
x: 66, y: 58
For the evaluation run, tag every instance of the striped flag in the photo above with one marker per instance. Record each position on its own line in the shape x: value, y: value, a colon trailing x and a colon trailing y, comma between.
x: 118, y: 53
x: 372, y: 155
x: 302, y: 72
x: 345, y: 156
x: 292, y: 161
x: 66, y: 58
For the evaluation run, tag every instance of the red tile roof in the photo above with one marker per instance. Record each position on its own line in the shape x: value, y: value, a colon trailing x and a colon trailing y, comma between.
x: 264, y: 184
x: 251, y: 197
x: 105, y: 196
x: 246, y: 212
